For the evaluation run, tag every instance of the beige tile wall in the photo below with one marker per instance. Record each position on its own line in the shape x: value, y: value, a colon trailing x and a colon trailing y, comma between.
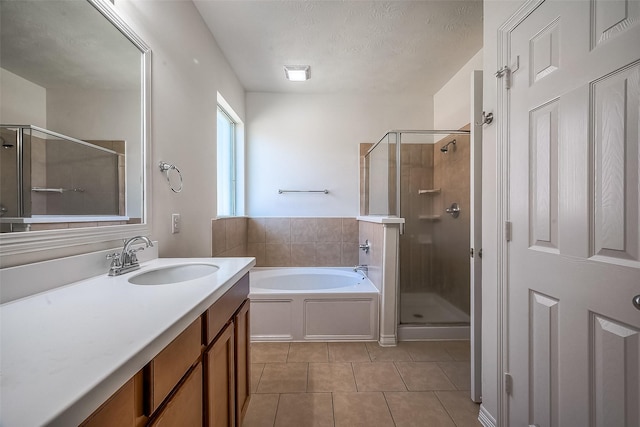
x: 288, y: 242
x: 416, y: 245
x: 374, y: 233
x: 451, y: 236
x: 303, y: 242
x: 229, y: 237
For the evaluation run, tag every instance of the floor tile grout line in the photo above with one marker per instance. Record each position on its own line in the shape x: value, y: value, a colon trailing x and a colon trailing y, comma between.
x: 384, y: 396
x: 448, y: 377
x: 275, y: 417
x: 260, y: 377
x: 401, y: 377
x: 286, y: 360
x: 435, y: 393
x: 333, y: 409
x: 353, y: 374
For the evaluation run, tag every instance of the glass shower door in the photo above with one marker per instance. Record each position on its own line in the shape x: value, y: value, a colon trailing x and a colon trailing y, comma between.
x: 434, y: 257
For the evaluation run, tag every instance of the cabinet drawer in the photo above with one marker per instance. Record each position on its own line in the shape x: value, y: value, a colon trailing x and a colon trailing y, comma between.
x: 222, y: 310
x: 184, y: 408
x: 170, y: 365
x: 124, y: 407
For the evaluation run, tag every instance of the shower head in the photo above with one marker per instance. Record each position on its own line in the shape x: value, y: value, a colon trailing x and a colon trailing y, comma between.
x: 445, y: 148
x: 5, y: 144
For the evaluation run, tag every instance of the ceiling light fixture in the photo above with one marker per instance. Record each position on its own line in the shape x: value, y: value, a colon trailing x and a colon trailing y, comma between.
x: 297, y: 73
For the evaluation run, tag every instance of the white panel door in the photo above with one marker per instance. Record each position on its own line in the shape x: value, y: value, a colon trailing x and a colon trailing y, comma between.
x: 573, y: 268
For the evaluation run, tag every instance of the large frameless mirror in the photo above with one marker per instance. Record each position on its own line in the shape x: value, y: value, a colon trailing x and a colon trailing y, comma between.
x: 74, y: 121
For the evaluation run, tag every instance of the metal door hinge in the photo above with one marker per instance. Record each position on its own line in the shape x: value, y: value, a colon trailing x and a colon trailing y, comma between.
x: 507, y: 72
x: 508, y: 383
x: 507, y: 231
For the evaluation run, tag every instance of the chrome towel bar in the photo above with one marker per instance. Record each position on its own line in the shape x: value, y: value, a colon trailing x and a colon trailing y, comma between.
x: 56, y: 190
x: 303, y: 191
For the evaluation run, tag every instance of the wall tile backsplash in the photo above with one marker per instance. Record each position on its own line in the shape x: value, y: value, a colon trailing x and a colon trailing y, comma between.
x: 289, y: 242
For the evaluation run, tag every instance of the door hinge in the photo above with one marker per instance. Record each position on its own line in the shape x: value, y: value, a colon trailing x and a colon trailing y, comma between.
x: 508, y: 383
x: 507, y: 72
x: 507, y: 231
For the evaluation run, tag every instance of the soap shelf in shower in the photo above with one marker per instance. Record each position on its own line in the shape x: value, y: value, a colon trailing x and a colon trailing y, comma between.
x: 429, y: 191
x: 429, y: 217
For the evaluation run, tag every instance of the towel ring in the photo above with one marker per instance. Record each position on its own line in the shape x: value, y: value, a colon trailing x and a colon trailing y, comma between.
x: 166, y: 168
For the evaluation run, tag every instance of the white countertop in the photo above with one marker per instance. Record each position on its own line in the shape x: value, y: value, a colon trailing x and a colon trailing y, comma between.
x: 65, y: 351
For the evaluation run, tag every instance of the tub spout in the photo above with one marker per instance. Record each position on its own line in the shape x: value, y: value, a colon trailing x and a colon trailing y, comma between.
x: 363, y: 268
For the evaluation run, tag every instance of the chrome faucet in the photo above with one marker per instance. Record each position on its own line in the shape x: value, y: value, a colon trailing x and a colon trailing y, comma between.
x: 127, y: 260
x: 365, y: 246
x: 363, y: 268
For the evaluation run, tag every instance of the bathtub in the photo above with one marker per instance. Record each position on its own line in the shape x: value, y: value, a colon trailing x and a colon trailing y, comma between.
x: 312, y: 304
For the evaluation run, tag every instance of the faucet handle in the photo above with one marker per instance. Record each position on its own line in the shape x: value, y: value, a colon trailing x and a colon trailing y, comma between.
x: 115, y: 259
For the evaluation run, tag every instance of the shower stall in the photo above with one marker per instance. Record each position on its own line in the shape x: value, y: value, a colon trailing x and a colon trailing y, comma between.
x: 424, y: 177
x: 45, y: 174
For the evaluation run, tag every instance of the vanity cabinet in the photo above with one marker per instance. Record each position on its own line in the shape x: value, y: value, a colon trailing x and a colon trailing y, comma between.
x: 220, y: 381
x: 170, y: 365
x: 124, y: 408
x: 184, y: 406
x: 227, y: 357
x: 242, y: 347
x: 201, y: 378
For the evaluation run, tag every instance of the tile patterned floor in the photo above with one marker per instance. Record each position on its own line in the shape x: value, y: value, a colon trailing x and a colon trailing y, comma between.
x: 416, y: 384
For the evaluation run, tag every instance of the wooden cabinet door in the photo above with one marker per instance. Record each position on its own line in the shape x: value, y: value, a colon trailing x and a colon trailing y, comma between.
x: 243, y: 361
x: 220, y: 396
x: 184, y: 408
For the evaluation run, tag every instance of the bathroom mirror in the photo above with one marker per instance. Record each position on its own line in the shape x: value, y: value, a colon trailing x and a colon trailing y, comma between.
x: 75, y: 83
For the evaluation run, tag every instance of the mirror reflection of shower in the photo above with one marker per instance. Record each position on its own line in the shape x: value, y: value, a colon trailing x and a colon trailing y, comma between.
x: 445, y: 148
x: 44, y: 173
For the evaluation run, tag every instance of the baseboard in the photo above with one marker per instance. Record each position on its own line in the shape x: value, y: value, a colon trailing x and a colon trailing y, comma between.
x: 420, y: 333
x: 388, y: 341
x: 485, y: 417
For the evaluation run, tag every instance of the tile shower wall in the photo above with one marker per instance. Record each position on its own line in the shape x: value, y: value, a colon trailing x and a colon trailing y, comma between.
x: 93, y: 172
x: 421, y: 212
x: 451, y: 235
x: 288, y: 242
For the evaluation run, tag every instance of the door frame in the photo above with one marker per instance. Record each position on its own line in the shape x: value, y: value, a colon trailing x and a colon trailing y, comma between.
x: 503, y: 214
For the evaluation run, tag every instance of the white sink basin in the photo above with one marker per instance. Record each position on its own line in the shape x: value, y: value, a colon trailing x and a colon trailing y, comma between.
x: 173, y: 274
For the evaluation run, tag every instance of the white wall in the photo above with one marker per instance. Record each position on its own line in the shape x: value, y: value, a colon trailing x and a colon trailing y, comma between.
x: 452, y: 103
x: 495, y: 13
x: 310, y: 142
x: 188, y: 70
x: 22, y: 102
x: 108, y: 115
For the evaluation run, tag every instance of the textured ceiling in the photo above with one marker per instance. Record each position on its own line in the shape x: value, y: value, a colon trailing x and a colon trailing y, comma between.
x: 352, y: 46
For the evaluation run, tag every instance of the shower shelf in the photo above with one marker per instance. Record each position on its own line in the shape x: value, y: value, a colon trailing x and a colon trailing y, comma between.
x: 429, y: 217
x: 429, y: 191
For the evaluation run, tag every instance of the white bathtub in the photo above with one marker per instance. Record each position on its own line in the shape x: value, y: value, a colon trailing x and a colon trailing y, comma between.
x: 312, y: 304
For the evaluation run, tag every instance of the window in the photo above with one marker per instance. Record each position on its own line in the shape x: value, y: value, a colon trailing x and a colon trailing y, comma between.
x: 226, y: 164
